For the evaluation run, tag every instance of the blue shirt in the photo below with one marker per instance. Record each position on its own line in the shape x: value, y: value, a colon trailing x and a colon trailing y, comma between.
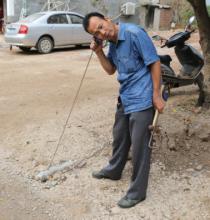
x: 132, y: 55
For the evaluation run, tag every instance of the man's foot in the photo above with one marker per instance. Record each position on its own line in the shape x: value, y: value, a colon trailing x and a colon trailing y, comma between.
x: 101, y: 175
x: 125, y: 202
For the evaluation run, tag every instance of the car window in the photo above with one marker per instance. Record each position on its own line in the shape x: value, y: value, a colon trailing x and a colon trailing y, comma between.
x: 76, y: 19
x: 32, y: 18
x: 57, y: 19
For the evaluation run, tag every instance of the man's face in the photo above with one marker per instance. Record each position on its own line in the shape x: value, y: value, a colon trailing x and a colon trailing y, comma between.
x: 102, y: 29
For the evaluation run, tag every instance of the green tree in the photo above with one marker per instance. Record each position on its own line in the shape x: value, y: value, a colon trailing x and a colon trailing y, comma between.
x: 203, y: 21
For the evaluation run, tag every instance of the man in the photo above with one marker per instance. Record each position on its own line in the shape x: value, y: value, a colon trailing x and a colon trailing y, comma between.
x: 133, y: 55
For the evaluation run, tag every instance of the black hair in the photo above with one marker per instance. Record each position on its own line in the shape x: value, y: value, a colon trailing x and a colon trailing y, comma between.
x: 87, y: 19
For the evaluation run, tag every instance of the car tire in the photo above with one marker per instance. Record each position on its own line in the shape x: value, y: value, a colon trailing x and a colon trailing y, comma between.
x: 78, y: 46
x: 45, y: 45
x: 25, y: 49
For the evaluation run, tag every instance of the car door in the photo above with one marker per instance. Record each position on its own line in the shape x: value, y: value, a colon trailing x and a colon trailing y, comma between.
x: 78, y: 33
x: 58, y: 24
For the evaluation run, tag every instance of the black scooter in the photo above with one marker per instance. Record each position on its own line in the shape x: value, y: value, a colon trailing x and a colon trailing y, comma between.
x: 191, y: 60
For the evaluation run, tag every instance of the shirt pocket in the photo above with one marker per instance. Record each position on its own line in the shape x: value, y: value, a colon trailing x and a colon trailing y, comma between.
x: 127, y: 64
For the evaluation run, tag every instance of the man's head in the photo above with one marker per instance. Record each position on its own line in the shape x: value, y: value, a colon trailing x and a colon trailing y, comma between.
x: 100, y: 26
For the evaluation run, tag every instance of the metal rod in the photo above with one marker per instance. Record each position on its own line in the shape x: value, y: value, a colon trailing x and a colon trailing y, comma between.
x: 70, y: 112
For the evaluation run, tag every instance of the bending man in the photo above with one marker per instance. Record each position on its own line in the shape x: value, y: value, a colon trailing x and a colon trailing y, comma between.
x: 133, y: 55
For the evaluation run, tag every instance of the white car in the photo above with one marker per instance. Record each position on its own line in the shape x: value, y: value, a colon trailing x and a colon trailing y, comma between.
x: 46, y: 30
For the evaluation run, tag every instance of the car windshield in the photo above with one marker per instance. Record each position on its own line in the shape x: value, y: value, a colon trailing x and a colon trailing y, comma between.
x: 32, y: 18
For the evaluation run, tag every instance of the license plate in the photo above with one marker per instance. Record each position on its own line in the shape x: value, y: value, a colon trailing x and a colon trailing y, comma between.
x: 11, y: 29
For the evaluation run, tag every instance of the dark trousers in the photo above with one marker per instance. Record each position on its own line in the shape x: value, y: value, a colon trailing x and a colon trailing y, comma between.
x: 131, y: 130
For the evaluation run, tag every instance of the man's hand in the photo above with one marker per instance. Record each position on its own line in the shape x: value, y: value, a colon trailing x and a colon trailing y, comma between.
x: 96, y: 46
x: 158, y: 102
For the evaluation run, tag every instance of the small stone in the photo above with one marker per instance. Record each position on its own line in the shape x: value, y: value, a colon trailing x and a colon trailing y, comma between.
x: 196, y: 153
x: 186, y: 189
x: 57, y: 176
x: 172, y: 147
x: 142, y: 215
x: 35, y: 163
x: 115, y: 210
x: 46, y: 187
x: 63, y: 178
x: 54, y: 183
x: 204, y: 137
x: 44, y: 178
x: 205, y: 148
x: 189, y: 170
x: 28, y: 142
x: 34, y: 208
x: 188, y: 146
x: 185, y: 176
x: 199, y: 168
x: 197, y: 110
x: 195, y: 174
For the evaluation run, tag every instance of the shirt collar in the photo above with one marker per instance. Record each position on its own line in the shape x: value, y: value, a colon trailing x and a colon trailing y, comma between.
x: 121, y: 32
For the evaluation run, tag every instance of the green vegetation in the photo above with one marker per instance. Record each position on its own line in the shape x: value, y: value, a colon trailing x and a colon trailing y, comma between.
x: 208, y: 8
x: 186, y: 13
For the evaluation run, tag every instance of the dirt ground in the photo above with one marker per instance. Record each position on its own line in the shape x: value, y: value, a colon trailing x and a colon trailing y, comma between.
x: 36, y: 93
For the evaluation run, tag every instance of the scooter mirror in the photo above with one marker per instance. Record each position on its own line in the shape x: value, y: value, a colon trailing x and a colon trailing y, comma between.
x: 191, y: 20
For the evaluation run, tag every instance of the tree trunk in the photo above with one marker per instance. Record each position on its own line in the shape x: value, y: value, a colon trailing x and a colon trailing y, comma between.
x: 203, y: 20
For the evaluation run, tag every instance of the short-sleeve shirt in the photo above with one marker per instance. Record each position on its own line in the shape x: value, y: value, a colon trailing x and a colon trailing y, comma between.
x: 132, y: 55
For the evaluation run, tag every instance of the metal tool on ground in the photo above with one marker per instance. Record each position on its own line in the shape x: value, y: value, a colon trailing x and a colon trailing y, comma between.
x: 44, y: 175
x: 70, y: 112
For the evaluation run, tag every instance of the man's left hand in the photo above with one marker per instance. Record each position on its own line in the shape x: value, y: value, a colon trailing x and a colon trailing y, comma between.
x: 159, y: 103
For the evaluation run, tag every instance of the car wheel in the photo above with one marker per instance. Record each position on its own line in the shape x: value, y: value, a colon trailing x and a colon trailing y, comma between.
x: 45, y: 45
x: 25, y: 49
x: 78, y: 46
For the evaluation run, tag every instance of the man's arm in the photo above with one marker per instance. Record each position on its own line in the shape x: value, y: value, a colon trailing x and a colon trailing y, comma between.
x: 156, y: 79
x: 106, y: 64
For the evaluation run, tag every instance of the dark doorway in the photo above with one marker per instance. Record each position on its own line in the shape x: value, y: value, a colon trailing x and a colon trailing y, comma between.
x: 150, y: 16
x: 1, y: 14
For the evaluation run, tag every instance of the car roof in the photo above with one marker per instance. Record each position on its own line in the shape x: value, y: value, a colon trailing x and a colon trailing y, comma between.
x: 59, y: 12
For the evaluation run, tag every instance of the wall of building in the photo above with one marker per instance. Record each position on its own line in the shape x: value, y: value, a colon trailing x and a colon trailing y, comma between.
x: 108, y: 7
x: 146, y: 16
x: 165, y: 18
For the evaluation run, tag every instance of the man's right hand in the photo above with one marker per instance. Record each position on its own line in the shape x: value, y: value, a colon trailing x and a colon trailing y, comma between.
x: 96, y: 46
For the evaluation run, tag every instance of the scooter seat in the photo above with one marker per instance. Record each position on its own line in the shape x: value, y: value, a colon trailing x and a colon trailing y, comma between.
x: 165, y: 59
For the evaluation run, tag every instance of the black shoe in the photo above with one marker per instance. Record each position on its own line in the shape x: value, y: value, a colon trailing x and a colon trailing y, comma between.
x: 125, y: 202
x: 101, y: 175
